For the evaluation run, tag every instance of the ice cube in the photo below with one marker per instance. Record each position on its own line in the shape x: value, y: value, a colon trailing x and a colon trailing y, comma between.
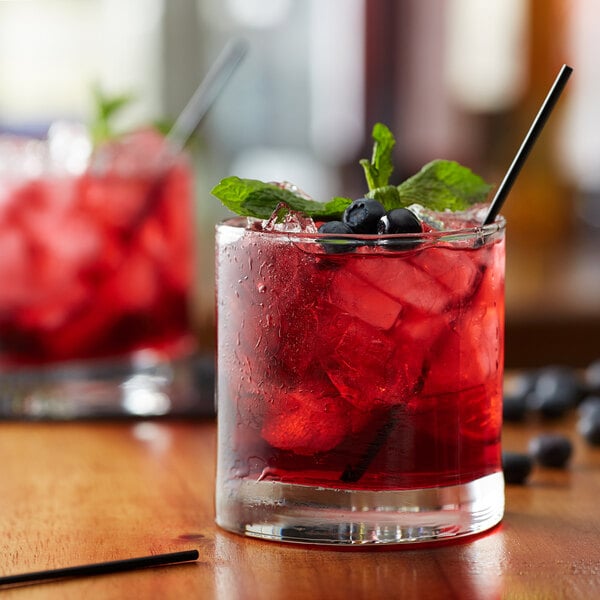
x: 371, y: 369
x: 47, y: 309
x: 456, y: 270
x: 116, y: 202
x: 448, y: 220
x: 135, y: 285
x: 49, y: 246
x: 363, y: 300
x: 466, y: 355
x: 22, y: 158
x: 305, y: 423
x: 140, y: 153
x: 291, y: 222
x: 480, y: 410
x: 70, y: 147
x: 402, y: 281
x: 16, y: 280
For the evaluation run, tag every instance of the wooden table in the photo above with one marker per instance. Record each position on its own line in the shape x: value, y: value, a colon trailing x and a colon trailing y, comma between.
x: 72, y: 493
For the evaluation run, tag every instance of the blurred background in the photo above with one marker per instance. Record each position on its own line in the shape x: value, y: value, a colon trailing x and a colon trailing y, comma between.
x: 456, y: 79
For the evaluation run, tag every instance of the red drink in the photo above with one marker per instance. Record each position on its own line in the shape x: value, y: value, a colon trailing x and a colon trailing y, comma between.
x: 352, y: 380
x: 98, y: 264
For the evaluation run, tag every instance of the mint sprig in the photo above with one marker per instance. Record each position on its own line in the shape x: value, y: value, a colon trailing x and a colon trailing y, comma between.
x: 379, y: 169
x: 253, y: 198
x: 439, y: 185
x: 106, y: 108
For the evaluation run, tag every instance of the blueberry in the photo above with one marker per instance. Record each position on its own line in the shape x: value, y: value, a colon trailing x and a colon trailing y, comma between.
x: 523, y: 382
x: 551, y: 450
x: 591, y: 377
x: 516, y: 390
x: 589, y: 405
x: 516, y: 466
x: 399, y: 220
x: 335, y: 227
x: 514, y: 407
x: 336, y: 245
x: 363, y: 215
x: 556, y: 390
x: 589, y: 427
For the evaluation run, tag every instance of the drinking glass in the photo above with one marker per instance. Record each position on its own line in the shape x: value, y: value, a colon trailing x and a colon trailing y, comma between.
x: 359, y: 384
x: 96, y: 270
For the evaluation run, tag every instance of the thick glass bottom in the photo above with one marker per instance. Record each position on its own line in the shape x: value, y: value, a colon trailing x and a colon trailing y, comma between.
x: 143, y: 384
x: 298, y: 513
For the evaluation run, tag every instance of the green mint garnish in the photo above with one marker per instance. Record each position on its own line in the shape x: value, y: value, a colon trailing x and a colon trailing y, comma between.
x: 379, y: 169
x: 444, y: 184
x: 253, y: 198
x: 106, y: 108
x: 439, y: 185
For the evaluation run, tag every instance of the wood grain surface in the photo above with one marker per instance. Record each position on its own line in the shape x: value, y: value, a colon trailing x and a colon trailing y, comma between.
x: 73, y: 493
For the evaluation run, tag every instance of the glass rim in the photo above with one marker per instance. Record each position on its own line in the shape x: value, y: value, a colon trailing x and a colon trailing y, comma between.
x: 474, y: 232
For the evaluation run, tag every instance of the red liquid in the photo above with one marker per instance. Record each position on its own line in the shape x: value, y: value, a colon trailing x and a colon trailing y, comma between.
x: 372, y: 369
x: 97, y: 265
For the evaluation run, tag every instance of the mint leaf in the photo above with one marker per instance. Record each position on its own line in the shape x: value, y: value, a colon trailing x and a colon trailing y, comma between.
x: 443, y: 184
x: 379, y: 169
x: 253, y: 198
x: 388, y: 196
x: 106, y: 107
x: 439, y: 185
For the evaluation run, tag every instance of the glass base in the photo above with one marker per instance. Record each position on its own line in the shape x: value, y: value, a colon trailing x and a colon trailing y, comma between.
x: 298, y: 513
x: 144, y: 384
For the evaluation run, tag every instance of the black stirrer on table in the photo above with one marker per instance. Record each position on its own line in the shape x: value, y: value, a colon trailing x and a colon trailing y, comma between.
x: 102, y: 568
x: 528, y: 142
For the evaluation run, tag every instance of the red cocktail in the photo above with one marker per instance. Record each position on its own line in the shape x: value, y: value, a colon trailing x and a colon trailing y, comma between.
x: 359, y: 383
x: 95, y: 265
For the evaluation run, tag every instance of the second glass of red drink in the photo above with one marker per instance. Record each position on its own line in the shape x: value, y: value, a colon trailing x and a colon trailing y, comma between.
x: 97, y: 266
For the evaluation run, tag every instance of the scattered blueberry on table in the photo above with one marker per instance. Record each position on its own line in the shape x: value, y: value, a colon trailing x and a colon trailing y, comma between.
x: 551, y: 393
x: 591, y: 377
x: 516, y: 466
x: 556, y: 390
x: 551, y: 450
x: 589, y: 427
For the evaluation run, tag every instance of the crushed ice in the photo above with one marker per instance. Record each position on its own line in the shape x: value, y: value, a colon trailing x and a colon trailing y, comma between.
x: 286, y: 220
x: 69, y: 147
x: 448, y: 220
x: 65, y: 151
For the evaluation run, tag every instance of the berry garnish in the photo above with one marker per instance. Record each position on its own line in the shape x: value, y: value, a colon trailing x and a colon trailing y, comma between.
x: 363, y: 215
x: 551, y: 450
x: 399, y: 220
x: 335, y: 227
x: 336, y: 245
x: 516, y: 466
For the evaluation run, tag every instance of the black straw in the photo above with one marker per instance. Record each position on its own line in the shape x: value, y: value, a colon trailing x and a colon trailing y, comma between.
x: 528, y: 142
x: 206, y: 93
x: 115, y: 566
x: 354, y: 472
